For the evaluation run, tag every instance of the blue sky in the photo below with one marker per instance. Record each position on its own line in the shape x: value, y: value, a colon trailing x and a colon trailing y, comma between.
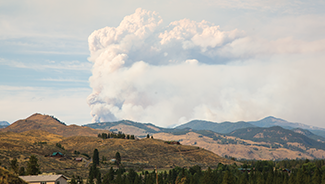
x: 45, y: 62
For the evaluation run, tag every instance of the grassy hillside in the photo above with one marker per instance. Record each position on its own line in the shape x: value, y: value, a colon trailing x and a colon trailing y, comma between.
x: 7, y: 177
x: 49, y: 124
x: 128, y: 127
x: 224, y: 127
x: 226, y: 145
x: 138, y: 154
x: 277, y: 135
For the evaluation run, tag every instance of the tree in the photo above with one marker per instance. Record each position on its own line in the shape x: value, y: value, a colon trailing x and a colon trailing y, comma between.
x: 32, y: 166
x: 148, y: 135
x: 73, y: 180
x: 118, y: 158
x: 317, y: 176
x: 14, y: 165
x: 96, y: 157
x: 227, y: 178
x: 22, y: 171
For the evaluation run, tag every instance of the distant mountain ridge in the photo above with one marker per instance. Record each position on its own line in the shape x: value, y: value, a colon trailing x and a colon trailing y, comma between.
x: 276, y: 134
x: 272, y: 121
x: 4, y: 124
x: 227, y: 127
x: 224, y: 127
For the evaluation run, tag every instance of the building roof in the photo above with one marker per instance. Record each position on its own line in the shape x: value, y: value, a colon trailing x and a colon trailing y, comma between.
x: 36, y: 178
x: 57, y: 153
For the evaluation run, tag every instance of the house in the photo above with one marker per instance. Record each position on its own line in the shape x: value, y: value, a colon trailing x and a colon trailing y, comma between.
x: 57, y: 154
x: 79, y: 159
x: 45, y: 179
x: 248, y: 170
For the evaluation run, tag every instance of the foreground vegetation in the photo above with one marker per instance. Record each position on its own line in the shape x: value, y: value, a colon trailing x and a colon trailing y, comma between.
x: 251, y: 172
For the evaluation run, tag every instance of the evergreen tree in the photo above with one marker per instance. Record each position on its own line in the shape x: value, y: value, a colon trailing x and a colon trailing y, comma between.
x: 207, y: 177
x: 98, y: 178
x: 132, y: 175
x: 323, y: 178
x: 148, y: 135
x: 292, y: 179
x: 227, y: 178
x: 300, y: 176
x: 119, y: 177
x: 73, y: 180
x: 243, y: 178
x: 317, y: 177
x: 96, y: 157
x: 14, y: 165
x: 111, y: 174
x: 22, y: 171
x: 32, y: 166
x: 118, y: 158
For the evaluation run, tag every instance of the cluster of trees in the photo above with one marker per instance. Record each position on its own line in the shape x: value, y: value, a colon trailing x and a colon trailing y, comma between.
x: 32, y: 167
x: 95, y: 174
x: 252, y: 172
x: 59, y: 146
x: 119, y: 135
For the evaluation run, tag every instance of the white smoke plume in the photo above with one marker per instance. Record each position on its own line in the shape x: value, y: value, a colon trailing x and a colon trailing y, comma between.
x: 188, y: 70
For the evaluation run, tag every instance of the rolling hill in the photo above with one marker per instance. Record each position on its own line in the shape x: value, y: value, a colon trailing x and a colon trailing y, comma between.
x: 222, y: 128
x: 128, y: 127
x: 138, y: 154
x: 231, y: 146
x: 277, y: 135
x: 50, y: 124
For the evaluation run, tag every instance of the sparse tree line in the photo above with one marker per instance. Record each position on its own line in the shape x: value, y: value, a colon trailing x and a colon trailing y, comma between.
x: 251, y: 172
x: 119, y: 135
x: 32, y: 167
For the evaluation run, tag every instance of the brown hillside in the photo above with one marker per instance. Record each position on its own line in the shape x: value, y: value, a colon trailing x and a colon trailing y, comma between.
x: 47, y: 123
x: 146, y: 152
x: 252, y: 151
x: 7, y: 177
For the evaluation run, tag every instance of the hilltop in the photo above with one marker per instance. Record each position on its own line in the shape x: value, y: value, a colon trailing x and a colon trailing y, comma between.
x: 50, y: 124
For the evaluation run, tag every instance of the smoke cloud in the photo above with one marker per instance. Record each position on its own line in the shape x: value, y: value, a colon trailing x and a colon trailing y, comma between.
x: 167, y: 75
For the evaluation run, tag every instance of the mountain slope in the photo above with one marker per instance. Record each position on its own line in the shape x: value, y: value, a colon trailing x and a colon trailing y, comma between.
x: 50, y: 124
x: 226, y: 145
x: 272, y: 121
x: 144, y: 153
x: 4, y: 124
x: 129, y: 127
x: 278, y: 135
x: 309, y: 134
x: 7, y: 177
x: 224, y: 127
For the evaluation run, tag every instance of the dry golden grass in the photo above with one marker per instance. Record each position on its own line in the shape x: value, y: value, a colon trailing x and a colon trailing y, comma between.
x: 146, y: 152
x: 7, y: 177
x: 49, y: 124
x: 238, y: 150
x: 139, y: 154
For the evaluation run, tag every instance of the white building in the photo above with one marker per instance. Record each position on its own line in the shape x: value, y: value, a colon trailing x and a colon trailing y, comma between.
x: 45, y: 179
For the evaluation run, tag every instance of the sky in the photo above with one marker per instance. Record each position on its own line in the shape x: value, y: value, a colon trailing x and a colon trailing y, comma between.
x: 164, y: 62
